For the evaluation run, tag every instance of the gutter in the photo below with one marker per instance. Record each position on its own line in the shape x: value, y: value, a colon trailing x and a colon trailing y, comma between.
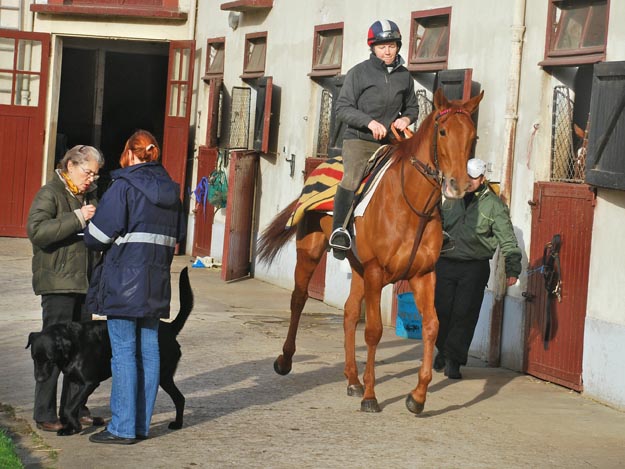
x: 511, y: 118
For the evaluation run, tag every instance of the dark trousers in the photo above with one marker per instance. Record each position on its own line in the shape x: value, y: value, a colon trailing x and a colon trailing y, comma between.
x: 460, y: 287
x: 56, y: 309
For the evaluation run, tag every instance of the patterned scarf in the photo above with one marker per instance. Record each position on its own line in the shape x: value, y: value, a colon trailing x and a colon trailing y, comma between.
x: 70, y: 184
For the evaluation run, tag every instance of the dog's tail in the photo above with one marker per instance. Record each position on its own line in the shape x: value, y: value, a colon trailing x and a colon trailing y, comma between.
x: 186, y: 301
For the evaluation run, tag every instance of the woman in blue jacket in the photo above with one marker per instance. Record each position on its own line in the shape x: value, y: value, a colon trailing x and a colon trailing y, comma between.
x: 137, y: 225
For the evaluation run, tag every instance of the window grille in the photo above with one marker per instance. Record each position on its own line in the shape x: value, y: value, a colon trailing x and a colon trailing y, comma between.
x: 425, y: 107
x: 240, y: 118
x: 325, y: 114
x: 567, y: 161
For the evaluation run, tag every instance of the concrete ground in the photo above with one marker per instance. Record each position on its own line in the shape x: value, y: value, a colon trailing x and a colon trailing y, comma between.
x: 240, y: 414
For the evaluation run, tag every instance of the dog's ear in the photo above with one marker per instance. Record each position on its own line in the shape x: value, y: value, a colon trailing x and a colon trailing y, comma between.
x: 31, y: 338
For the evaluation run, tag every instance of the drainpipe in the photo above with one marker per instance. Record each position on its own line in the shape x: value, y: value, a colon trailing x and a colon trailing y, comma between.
x: 511, y: 117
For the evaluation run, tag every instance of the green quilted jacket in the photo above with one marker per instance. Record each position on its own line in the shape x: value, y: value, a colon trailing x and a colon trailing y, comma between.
x: 61, y: 262
x: 479, y: 228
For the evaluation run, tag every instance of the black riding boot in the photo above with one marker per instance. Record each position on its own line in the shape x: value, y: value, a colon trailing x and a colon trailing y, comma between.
x: 340, y: 240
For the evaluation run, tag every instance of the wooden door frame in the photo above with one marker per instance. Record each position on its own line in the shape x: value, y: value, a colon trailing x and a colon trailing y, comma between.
x: 31, y: 160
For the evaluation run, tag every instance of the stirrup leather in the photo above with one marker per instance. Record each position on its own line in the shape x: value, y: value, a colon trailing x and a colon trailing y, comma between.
x: 340, y: 231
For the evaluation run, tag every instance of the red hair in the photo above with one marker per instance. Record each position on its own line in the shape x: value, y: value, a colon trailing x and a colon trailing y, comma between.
x: 143, y: 145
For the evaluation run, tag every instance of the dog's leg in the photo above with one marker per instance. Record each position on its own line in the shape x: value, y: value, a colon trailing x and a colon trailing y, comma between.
x: 168, y: 385
x: 79, y: 394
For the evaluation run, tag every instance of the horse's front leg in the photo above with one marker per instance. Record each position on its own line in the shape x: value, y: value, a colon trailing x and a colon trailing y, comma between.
x: 304, y: 270
x: 350, y: 321
x: 373, y: 334
x: 423, y: 289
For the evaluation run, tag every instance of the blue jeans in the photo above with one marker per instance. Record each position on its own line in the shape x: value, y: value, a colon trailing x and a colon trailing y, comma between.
x: 136, y: 368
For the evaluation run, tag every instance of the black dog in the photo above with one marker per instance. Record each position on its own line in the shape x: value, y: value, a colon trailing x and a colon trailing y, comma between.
x: 82, y: 351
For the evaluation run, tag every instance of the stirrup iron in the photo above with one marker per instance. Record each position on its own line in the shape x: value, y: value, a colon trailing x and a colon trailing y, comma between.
x: 340, y: 231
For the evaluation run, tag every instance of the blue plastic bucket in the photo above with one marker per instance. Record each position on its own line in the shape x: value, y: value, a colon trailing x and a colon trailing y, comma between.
x: 408, y: 323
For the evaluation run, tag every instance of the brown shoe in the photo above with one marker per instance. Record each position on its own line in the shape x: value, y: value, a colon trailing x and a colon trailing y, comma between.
x: 50, y: 426
x: 89, y: 421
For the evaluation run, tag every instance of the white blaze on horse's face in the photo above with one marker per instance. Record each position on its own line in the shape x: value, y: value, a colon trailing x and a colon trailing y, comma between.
x: 455, y: 136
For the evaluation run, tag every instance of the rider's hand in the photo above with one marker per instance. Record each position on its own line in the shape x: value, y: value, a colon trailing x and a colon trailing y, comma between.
x: 377, y: 129
x: 401, y: 123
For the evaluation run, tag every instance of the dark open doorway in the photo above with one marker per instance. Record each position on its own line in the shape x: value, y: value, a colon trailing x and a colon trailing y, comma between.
x: 108, y: 90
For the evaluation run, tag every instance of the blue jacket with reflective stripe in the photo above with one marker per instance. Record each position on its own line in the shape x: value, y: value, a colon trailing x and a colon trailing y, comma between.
x: 137, y: 224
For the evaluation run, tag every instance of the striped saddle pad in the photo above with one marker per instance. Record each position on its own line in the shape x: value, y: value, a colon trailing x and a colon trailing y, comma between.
x: 321, y: 184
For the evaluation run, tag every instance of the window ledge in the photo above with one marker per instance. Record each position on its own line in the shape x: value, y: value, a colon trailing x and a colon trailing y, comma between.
x: 251, y: 75
x: 329, y: 72
x: 95, y: 11
x: 572, y: 60
x: 427, y: 67
x: 247, y: 5
x: 211, y: 76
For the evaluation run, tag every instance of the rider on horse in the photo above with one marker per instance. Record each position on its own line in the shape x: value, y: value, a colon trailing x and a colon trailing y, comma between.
x: 377, y: 94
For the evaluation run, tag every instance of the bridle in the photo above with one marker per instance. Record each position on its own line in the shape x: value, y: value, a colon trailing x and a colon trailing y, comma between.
x: 434, y: 177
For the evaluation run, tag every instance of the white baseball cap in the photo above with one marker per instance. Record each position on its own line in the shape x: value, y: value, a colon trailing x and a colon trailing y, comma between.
x: 476, y: 167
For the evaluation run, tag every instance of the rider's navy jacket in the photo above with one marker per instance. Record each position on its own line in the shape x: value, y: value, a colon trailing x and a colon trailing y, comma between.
x: 137, y: 224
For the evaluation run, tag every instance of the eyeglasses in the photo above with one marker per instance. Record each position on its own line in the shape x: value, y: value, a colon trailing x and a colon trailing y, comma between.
x: 90, y: 174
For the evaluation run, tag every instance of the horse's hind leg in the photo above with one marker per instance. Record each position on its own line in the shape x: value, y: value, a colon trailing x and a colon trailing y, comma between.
x: 350, y: 321
x: 423, y: 288
x: 309, y: 252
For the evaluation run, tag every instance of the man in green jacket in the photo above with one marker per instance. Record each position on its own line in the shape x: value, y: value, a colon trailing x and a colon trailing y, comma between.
x: 477, y: 224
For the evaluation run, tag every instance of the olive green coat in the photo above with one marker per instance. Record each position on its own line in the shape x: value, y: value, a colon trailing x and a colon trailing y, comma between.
x: 61, y: 262
x: 479, y: 228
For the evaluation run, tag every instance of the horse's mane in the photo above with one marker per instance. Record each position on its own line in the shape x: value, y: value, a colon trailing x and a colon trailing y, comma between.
x: 408, y: 148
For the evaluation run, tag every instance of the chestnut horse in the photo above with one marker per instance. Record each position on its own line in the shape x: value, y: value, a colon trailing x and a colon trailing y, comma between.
x: 399, y: 237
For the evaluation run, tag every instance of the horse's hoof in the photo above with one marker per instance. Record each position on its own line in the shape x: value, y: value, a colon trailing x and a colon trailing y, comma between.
x: 370, y: 405
x: 414, y: 406
x: 278, y: 369
x: 355, y: 390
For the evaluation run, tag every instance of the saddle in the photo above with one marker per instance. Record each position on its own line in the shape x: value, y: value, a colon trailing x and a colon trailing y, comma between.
x: 320, y: 186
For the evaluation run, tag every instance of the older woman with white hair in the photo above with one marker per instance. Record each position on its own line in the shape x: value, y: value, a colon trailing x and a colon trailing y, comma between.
x: 61, y: 262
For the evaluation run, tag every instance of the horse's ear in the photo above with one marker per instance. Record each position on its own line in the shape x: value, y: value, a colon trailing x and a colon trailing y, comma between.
x: 472, y: 104
x: 440, y: 101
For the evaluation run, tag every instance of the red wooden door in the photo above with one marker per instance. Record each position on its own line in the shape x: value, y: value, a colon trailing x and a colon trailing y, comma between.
x: 239, y: 214
x: 24, y: 65
x: 178, y: 110
x: 567, y: 210
x: 204, y: 212
x: 317, y: 285
x: 207, y: 163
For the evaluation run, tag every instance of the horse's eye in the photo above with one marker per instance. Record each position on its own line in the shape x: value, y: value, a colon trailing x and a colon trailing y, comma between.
x: 442, y: 132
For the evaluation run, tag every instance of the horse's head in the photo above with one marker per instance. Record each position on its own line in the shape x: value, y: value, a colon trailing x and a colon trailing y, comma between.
x: 453, y: 141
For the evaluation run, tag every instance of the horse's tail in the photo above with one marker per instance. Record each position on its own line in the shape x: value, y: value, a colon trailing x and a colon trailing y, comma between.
x: 275, y: 236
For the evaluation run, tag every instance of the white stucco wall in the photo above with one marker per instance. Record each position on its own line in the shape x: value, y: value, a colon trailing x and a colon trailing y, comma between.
x: 604, y: 334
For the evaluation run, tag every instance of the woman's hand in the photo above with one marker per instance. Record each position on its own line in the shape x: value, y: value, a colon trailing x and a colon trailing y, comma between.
x: 88, y: 211
x: 401, y: 123
x: 377, y: 129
